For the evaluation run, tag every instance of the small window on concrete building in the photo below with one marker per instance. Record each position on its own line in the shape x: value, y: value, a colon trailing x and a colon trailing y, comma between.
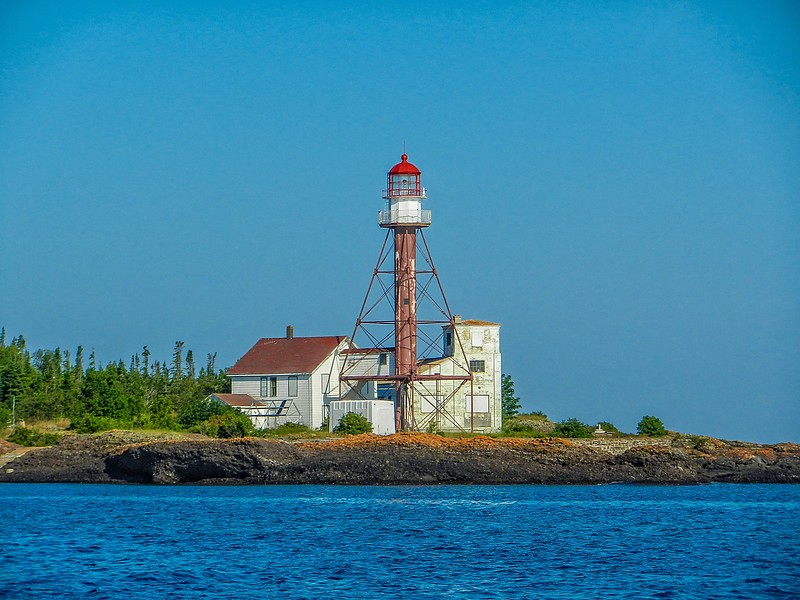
x: 481, y: 403
x: 292, y: 386
x: 269, y: 387
x: 477, y: 338
x: 477, y: 366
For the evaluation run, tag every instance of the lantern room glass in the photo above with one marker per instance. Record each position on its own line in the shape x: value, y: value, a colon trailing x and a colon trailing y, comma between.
x: 403, y: 184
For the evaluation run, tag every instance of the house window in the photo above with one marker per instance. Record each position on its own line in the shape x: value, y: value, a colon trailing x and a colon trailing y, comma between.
x: 477, y: 366
x: 292, y: 386
x: 269, y: 387
x: 477, y: 338
x: 384, y: 358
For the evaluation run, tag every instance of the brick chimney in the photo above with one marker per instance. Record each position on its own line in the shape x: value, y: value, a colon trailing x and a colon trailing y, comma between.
x: 289, y: 332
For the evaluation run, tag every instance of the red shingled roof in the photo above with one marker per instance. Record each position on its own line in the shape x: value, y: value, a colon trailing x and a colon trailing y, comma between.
x: 236, y: 399
x: 284, y: 355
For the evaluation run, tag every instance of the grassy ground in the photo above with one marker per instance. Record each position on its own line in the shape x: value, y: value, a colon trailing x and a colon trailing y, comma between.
x: 532, y: 425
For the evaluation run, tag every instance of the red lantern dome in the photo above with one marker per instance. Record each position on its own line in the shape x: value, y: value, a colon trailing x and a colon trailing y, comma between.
x: 404, y: 179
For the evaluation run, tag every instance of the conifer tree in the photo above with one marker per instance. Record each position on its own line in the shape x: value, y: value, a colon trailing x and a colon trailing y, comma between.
x: 79, y: 364
x: 510, y: 403
x: 212, y: 359
x: 190, y: 364
x: 177, y: 362
x: 146, y: 356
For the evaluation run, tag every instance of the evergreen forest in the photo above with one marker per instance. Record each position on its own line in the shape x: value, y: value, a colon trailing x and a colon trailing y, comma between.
x: 44, y: 385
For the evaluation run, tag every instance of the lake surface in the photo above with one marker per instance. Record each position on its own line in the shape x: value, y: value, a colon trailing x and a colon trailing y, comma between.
x: 614, y: 541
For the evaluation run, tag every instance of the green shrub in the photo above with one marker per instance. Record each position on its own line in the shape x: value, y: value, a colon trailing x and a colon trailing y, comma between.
x: 353, y: 424
x: 230, y: 424
x: 93, y: 424
x: 30, y: 437
x: 528, y: 425
x: 515, y: 426
x: 162, y: 421
x: 199, y: 410
x: 287, y: 429
x: 572, y: 428
x: 651, y: 426
x: 609, y: 427
x: 535, y: 414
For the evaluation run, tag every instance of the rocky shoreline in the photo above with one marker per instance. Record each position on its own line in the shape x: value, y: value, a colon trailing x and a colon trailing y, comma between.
x: 406, y: 459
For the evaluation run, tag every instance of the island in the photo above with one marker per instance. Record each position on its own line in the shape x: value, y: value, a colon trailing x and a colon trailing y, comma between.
x: 126, y: 457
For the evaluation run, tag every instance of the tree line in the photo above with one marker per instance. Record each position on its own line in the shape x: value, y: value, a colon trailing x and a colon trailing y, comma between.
x: 141, y: 393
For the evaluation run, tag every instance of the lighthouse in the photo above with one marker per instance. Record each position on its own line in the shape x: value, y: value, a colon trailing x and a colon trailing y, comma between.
x: 409, y: 355
x: 404, y: 215
x: 409, y: 365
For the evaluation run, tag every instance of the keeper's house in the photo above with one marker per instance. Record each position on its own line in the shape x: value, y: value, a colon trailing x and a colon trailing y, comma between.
x: 289, y: 379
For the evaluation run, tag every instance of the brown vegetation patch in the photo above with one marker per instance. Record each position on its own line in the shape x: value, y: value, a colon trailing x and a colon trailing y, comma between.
x: 430, y: 440
x: 6, y: 446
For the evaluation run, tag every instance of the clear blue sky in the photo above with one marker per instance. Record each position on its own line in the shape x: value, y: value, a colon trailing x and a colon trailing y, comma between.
x: 617, y: 183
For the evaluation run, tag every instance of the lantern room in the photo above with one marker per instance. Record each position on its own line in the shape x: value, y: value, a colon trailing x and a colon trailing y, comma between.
x: 404, y: 194
x: 404, y: 179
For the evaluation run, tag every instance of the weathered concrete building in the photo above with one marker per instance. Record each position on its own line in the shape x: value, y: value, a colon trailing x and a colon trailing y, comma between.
x: 472, y: 408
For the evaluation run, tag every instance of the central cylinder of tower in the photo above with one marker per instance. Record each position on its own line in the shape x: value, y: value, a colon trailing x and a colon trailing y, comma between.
x: 405, y: 279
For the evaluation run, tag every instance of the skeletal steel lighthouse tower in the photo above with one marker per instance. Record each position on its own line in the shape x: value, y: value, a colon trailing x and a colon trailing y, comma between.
x: 420, y: 315
x: 404, y: 215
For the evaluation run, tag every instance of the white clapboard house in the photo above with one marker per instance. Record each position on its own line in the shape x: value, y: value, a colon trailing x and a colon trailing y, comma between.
x: 286, y: 380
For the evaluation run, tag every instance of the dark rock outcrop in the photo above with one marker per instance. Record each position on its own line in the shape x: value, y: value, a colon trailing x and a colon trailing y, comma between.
x: 401, y: 459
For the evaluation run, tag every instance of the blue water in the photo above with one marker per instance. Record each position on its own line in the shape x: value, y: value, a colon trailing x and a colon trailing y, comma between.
x: 616, y: 541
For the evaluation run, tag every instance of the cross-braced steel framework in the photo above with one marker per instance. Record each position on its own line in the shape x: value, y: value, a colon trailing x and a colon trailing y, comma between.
x: 433, y: 376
